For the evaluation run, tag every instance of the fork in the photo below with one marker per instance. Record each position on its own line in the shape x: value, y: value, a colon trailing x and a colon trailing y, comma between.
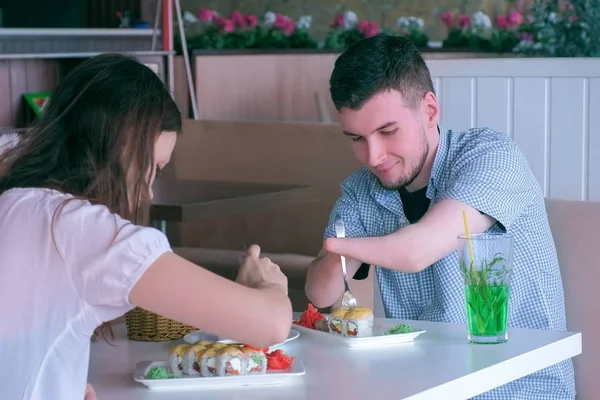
x: 348, y: 299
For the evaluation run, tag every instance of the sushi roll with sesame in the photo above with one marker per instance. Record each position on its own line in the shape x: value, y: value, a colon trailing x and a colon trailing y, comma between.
x: 191, y: 360
x: 359, y: 322
x: 218, y: 345
x: 230, y: 361
x: 337, y: 323
x: 255, y: 361
x: 176, y: 355
x: 208, y: 362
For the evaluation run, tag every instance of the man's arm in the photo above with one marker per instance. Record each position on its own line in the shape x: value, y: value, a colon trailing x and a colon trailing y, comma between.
x: 491, y: 181
x: 417, y: 246
x: 324, y: 280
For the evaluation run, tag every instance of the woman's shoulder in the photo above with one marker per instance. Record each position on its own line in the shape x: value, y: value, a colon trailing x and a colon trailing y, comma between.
x: 44, y: 205
x: 37, y: 200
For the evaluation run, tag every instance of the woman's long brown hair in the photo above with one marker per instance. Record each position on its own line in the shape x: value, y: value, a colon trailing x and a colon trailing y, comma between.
x: 95, y: 138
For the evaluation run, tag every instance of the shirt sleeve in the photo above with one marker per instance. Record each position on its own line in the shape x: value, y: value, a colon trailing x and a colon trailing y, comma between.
x: 347, y: 208
x: 493, y: 177
x: 104, y: 254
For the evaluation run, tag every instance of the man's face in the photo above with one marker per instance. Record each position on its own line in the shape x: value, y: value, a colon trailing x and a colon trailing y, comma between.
x: 389, y: 137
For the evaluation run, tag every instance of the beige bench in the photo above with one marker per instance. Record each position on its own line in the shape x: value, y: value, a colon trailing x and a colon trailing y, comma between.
x: 574, y: 226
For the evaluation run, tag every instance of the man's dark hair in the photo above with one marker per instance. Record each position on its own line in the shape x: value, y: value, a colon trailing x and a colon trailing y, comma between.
x: 376, y: 64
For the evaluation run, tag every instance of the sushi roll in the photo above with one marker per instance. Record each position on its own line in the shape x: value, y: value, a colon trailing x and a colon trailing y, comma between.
x: 359, y: 322
x: 337, y: 323
x: 176, y: 355
x: 208, y: 363
x: 191, y: 360
x: 255, y: 361
x: 204, y: 342
x: 229, y: 361
x: 218, y: 345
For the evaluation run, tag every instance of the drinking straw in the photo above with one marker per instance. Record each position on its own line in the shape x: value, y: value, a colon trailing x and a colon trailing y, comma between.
x: 468, y: 234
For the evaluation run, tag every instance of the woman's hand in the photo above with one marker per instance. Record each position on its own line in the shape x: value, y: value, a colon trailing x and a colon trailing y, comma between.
x: 90, y: 393
x: 261, y: 273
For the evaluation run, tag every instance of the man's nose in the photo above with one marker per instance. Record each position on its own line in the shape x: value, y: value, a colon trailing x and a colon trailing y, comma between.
x: 376, y: 153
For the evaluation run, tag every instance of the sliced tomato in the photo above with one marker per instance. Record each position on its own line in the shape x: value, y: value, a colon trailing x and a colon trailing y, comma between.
x: 278, y: 360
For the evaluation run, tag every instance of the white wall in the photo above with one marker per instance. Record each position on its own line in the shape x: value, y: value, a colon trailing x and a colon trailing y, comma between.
x: 550, y: 107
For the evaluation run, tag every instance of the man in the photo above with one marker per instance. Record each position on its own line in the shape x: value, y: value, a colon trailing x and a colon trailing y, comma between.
x: 403, y: 209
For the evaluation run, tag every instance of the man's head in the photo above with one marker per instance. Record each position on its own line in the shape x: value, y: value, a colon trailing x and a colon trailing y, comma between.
x: 383, y: 91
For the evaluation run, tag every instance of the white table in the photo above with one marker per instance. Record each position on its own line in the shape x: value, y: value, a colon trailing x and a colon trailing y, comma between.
x: 439, y: 364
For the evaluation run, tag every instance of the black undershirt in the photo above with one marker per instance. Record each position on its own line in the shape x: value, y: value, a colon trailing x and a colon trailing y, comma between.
x: 415, y: 205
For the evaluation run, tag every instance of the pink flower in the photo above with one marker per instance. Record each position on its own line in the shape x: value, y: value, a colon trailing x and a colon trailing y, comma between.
x: 447, y: 19
x: 219, y: 21
x: 238, y: 19
x: 368, y: 28
x: 515, y: 19
x: 502, y: 21
x: 206, y: 15
x: 286, y: 24
x: 226, y: 25
x: 527, y: 37
x: 565, y: 6
x: 290, y: 27
x: 251, y: 20
x: 464, y: 21
x: 338, y: 22
x: 280, y: 21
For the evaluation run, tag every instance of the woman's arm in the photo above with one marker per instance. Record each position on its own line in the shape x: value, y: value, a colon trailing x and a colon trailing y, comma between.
x: 180, y: 290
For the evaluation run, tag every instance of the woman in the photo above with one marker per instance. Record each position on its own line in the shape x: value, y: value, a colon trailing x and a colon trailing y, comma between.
x: 74, y: 251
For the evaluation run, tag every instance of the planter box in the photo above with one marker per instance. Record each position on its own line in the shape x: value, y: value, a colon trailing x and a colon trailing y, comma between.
x: 271, y: 85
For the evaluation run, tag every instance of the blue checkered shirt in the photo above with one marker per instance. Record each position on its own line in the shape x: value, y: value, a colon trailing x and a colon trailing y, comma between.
x: 485, y: 169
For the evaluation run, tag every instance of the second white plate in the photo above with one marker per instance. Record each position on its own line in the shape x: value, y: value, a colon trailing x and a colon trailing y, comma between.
x: 380, y: 326
x: 195, y: 336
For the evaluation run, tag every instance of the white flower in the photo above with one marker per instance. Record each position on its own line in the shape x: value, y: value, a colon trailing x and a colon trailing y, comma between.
x: 189, y: 18
x: 350, y: 19
x: 269, y: 18
x: 480, y: 21
x: 304, y: 22
x: 410, y: 23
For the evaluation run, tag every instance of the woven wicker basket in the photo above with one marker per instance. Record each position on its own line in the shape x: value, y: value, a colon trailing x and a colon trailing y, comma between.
x: 146, y: 326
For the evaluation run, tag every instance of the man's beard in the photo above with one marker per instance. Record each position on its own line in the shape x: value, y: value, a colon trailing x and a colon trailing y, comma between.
x: 409, y: 178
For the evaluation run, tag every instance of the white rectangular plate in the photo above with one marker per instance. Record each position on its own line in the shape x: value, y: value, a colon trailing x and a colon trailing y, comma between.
x: 199, y: 382
x: 378, y: 338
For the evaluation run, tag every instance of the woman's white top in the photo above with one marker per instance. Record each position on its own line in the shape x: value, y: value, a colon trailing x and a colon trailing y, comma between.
x: 58, y: 282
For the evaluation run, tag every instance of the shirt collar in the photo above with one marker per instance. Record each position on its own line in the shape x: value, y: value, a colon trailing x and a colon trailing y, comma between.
x: 439, y: 161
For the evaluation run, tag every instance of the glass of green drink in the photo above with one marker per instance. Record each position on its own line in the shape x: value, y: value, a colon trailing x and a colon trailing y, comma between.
x: 486, y: 264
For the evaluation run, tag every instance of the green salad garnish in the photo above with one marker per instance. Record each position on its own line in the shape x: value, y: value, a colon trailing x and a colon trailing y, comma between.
x: 401, y: 328
x: 159, y: 373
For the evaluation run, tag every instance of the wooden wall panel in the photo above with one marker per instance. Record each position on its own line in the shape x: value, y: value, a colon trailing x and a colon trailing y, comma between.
x: 24, y: 76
